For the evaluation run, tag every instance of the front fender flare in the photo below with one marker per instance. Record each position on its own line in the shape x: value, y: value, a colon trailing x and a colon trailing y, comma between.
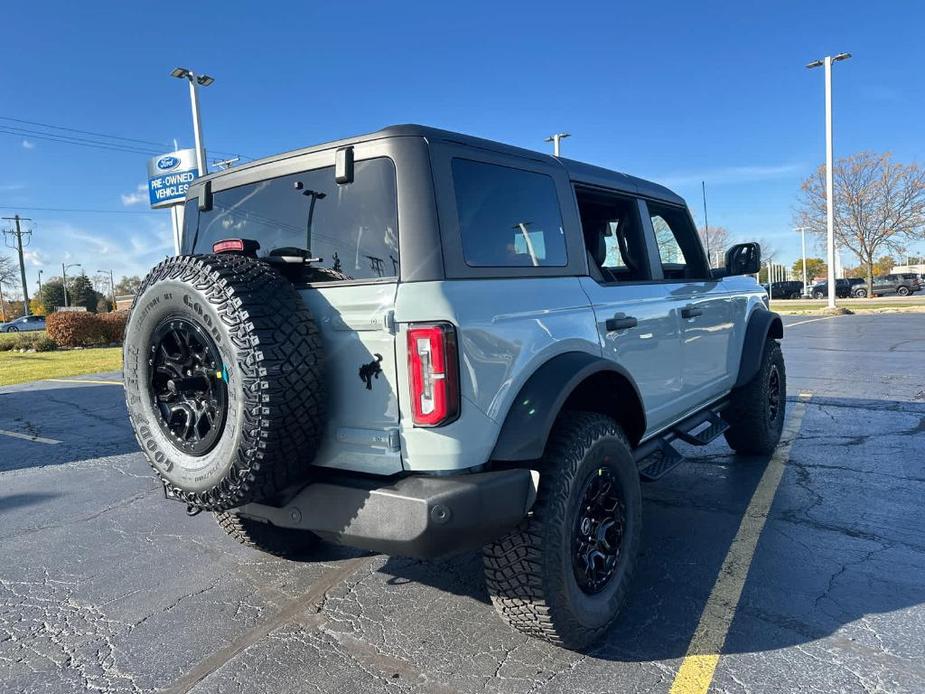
x: 535, y: 409
x: 762, y: 325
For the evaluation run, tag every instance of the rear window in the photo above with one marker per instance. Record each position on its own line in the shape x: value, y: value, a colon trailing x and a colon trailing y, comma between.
x: 507, y: 217
x: 353, y: 228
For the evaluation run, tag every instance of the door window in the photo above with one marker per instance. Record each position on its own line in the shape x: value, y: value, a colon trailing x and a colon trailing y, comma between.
x: 678, y: 246
x: 507, y: 217
x: 613, y: 236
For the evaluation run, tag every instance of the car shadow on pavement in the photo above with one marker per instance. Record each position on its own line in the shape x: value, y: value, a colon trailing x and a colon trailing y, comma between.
x: 12, y: 502
x: 88, y: 421
x: 842, y: 541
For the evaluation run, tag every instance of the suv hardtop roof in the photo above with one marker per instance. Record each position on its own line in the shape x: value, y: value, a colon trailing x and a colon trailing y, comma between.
x: 578, y: 172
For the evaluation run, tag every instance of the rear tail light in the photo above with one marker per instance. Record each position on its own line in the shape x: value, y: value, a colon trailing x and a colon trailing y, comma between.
x: 434, y: 369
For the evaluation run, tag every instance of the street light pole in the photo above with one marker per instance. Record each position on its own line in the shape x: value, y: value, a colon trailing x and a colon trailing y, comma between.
x: 555, y: 139
x: 112, y: 287
x: 829, y: 174
x: 64, y: 278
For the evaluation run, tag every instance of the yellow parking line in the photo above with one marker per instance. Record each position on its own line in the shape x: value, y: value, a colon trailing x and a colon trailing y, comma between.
x: 84, y: 380
x: 696, y: 672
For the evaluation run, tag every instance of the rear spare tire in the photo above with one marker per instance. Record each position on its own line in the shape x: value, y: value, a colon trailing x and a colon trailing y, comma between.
x: 223, y: 379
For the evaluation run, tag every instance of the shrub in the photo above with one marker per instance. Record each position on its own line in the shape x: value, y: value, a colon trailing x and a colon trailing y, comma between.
x: 76, y: 329
x: 44, y: 344
x: 113, y: 325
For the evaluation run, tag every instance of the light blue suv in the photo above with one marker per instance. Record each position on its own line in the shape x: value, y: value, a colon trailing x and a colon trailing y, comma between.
x: 422, y: 343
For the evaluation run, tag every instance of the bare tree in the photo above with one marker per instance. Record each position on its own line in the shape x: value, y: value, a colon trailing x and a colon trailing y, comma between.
x: 9, y: 273
x: 715, y: 241
x: 879, y: 205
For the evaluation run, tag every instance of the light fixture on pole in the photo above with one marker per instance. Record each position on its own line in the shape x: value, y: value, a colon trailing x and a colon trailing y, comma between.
x: 64, y: 278
x: 195, y: 81
x: 556, y: 139
x: 829, y: 176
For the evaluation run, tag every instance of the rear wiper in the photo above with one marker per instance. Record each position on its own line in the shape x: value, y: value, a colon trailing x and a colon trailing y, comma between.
x: 291, y: 254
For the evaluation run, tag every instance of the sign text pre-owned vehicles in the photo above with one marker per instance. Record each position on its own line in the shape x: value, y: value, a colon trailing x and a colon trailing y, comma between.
x: 420, y: 342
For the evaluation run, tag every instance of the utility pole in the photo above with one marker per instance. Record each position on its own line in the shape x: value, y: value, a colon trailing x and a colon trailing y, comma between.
x: 706, y: 223
x: 556, y: 139
x: 802, y: 231
x: 18, y: 233
x: 112, y: 287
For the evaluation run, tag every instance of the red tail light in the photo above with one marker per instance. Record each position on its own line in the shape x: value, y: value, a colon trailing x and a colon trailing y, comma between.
x: 434, y: 370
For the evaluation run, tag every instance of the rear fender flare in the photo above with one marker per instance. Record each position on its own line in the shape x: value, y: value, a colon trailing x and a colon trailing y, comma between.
x: 538, y: 404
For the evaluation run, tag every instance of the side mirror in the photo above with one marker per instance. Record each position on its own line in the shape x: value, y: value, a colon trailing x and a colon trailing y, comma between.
x: 743, y: 259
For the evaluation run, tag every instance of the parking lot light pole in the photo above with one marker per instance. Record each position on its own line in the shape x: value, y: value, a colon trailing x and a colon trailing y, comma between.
x: 195, y: 81
x: 829, y: 176
x: 802, y: 231
x: 64, y: 278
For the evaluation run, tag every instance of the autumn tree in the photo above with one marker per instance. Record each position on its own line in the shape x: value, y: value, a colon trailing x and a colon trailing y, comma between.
x: 815, y: 267
x: 879, y: 205
x: 715, y: 242
x: 9, y: 273
x: 128, y: 285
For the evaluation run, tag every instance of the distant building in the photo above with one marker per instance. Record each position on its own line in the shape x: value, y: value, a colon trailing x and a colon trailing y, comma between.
x: 917, y: 268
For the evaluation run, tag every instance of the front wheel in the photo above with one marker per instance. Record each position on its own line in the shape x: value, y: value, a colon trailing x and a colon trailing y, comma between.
x: 861, y: 293
x: 563, y: 573
x: 756, y: 410
x: 12, y: 329
x: 903, y: 291
x: 818, y: 295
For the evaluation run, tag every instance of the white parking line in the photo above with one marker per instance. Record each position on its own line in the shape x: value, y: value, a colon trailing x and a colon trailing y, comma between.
x: 811, y: 320
x: 85, y: 380
x: 28, y: 437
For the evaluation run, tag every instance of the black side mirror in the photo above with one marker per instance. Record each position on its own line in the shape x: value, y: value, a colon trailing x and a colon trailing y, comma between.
x: 743, y: 259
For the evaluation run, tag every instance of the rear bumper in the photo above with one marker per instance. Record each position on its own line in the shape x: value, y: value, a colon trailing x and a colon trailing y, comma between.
x: 418, y: 516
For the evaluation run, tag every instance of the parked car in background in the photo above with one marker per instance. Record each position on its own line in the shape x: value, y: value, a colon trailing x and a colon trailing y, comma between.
x: 784, y: 290
x: 842, y: 289
x: 23, y: 324
x: 883, y: 286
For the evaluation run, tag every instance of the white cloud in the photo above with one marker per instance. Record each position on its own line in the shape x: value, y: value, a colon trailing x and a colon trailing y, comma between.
x: 137, y: 197
x: 731, y: 174
x: 11, y: 187
x: 28, y: 144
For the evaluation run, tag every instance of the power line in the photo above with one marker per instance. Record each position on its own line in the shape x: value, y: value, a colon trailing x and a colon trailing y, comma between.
x: 65, y: 139
x: 69, y: 209
x: 84, y: 132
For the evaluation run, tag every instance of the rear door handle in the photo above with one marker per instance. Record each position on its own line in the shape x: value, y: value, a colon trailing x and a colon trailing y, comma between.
x: 691, y: 312
x: 620, y: 322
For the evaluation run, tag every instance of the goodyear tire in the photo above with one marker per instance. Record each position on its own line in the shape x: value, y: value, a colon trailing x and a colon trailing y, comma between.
x: 563, y: 573
x: 756, y: 410
x: 223, y: 380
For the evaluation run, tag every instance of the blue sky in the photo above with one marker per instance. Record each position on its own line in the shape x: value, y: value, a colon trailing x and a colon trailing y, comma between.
x: 674, y: 91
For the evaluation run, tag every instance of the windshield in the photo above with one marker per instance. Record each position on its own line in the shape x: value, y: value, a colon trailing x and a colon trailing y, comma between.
x: 351, y: 228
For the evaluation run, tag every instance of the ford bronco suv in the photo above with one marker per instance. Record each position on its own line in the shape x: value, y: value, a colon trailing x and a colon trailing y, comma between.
x: 422, y: 343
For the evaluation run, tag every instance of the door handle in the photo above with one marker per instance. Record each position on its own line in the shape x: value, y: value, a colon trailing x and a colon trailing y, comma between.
x: 691, y: 312
x: 620, y: 322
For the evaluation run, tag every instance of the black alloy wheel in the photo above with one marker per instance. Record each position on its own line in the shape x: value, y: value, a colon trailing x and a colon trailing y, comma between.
x: 188, y: 384
x: 597, y: 538
x: 774, y: 394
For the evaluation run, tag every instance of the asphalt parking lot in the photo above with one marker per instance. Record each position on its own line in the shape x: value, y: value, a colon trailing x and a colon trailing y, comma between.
x: 104, y: 585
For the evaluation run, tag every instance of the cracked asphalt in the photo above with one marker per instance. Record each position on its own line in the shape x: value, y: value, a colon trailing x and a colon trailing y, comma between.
x: 106, y: 586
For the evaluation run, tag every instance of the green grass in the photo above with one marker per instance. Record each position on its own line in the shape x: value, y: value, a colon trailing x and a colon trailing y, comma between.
x: 15, y: 338
x: 797, y: 306
x: 16, y: 367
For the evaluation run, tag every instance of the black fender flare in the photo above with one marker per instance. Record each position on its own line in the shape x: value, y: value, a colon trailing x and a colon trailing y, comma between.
x: 534, y: 411
x: 762, y: 325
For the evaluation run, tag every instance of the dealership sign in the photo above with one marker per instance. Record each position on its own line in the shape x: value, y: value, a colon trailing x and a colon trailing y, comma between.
x: 169, y: 177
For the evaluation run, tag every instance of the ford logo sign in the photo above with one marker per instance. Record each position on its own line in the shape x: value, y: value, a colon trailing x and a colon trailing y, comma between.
x: 167, y: 163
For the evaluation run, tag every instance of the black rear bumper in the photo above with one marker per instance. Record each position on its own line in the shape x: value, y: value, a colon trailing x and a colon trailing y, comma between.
x: 417, y: 516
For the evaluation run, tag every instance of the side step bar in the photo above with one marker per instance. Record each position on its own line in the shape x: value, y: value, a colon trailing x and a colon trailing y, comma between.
x: 657, y: 457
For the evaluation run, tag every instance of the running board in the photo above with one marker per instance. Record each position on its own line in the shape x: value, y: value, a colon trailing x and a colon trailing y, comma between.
x: 657, y: 457
x: 660, y: 462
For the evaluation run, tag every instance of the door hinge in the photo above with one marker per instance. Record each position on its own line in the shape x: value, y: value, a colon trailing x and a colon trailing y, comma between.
x: 388, y: 321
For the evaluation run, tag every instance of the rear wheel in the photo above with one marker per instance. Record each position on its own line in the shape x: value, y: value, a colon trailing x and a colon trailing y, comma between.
x: 902, y: 291
x: 756, y: 410
x: 818, y: 295
x: 860, y: 293
x: 280, y: 542
x: 12, y: 329
x: 562, y: 575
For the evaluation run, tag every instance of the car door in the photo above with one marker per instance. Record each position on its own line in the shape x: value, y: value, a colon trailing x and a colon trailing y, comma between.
x: 704, y: 308
x: 636, y: 326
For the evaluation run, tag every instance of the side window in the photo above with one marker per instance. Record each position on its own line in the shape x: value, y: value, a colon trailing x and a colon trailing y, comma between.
x: 613, y: 236
x: 678, y: 245
x: 507, y: 217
